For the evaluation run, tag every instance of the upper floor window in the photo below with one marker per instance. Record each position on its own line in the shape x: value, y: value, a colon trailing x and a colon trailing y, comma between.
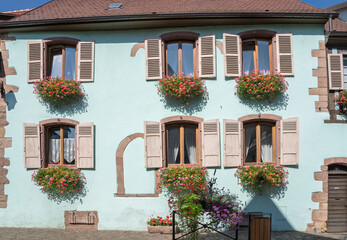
x: 257, y: 54
x: 345, y: 70
x: 180, y: 58
x: 62, y: 61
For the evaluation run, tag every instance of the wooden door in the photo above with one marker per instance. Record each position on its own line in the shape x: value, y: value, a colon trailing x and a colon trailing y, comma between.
x: 337, y: 202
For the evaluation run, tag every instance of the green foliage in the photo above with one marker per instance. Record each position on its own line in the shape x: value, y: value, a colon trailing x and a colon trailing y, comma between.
x: 259, y: 87
x: 58, y: 91
x: 182, y: 88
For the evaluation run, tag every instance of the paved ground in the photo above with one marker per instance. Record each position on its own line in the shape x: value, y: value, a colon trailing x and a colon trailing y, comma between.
x: 58, y: 234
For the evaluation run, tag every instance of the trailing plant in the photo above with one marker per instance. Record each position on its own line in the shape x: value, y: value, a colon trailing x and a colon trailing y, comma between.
x: 260, y: 87
x: 159, y: 221
x: 341, y: 100
x: 182, y: 88
x: 60, y: 182
x: 58, y: 91
x: 261, y: 178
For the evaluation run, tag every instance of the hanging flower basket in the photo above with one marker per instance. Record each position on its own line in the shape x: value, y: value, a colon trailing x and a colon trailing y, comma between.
x: 60, y: 182
x: 59, y: 91
x: 260, y: 87
x: 341, y: 100
x: 261, y: 178
x: 182, y: 88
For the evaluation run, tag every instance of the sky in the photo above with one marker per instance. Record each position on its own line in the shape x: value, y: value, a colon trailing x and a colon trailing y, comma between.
x: 10, y: 5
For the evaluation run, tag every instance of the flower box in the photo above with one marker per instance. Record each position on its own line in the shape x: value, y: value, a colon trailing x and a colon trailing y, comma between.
x: 161, y: 229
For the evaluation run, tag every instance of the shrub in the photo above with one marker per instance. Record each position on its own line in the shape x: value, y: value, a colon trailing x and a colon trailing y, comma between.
x: 341, y: 100
x: 259, y: 87
x: 182, y: 88
x: 58, y: 91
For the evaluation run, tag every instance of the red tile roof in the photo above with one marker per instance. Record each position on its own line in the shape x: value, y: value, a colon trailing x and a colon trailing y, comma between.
x: 71, y: 9
x: 338, y: 25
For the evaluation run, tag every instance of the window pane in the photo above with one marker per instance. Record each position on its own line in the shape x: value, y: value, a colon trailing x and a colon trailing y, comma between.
x: 57, y: 62
x: 248, y: 57
x: 266, y: 143
x: 250, y: 143
x: 70, y: 62
x: 173, y: 145
x: 69, y: 145
x: 263, y: 55
x: 172, y: 59
x: 187, y: 59
x: 190, y: 145
x: 54, y: 146
x: 345, y: 71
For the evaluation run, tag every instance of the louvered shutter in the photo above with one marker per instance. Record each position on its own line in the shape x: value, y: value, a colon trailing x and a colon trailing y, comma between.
x: 232, y: 62
x: 153, y: 59
x: 210, y: 143
x: 285, y: 54
x: 153, y: 145
x: 207, y: 56
x: 232, y: 143
x: 85, y: 61
x: 35, y: 56
x: 32, y: 157
x: 290, y: 141
x: 335, y: 64
x: 85, y: 145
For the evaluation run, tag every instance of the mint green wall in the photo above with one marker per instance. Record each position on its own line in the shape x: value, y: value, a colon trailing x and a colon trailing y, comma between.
x: 120, y: 100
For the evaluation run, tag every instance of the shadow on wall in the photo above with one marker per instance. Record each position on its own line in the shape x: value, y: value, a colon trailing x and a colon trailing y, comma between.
x: 266, y: 205
x: 11, y: 100
x: 195, y: 105
x: 68, y: 110
x: 280, y: 103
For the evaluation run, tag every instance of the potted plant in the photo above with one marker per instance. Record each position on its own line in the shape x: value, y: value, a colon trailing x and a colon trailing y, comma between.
x: 259, y: 179
x: 58, y: 91
x: 341, y: 100
x: 60, y: 182
x: 160, y: 225
x: 182, y: 88
x: 260, y: 87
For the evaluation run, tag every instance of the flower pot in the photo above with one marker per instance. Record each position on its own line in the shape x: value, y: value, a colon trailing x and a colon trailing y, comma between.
x: 161, y: 229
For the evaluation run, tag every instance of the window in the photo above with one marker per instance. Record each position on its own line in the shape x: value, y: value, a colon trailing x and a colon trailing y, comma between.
x: 61, y: 57
x: 59, y: 141
x: 62, y: 61
x: 180, y: 58
x: 181, y: 144
x: 257, y: 54
x: 345, y: 71
x: 259, y: 142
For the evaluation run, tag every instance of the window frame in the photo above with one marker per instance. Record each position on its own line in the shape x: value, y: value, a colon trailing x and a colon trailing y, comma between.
x: 256, y: 52
x: 180, y: 37
x: 45, y: 126
x: 258, y: 119
x: 50, y: 58
x: 182, y: 120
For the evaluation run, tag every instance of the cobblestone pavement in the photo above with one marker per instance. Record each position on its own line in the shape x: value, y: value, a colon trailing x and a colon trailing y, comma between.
x: 59, y: 234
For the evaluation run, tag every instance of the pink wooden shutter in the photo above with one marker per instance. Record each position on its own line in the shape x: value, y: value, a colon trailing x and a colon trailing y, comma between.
x: 232, y: 62
x: 232, y: 143
x: 285, y: 54
x: 153, y: 145
x: 335, y: 64
x: 32, y: 157
x: 153, y: 59
x: 207, y: 56
x: 35, y: 56
x: 210, y: 143
x: 85, y: 61
x: 290, y: 141
x: 85, y: 145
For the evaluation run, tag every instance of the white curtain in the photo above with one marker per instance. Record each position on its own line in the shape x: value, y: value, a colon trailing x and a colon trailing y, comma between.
x: 57, y: 62
x: 250, y: 139
x: 173, y: 145
x: 266, y: 143
x: 190, y: 144
x: 54, y: 147
x: 69, y: 149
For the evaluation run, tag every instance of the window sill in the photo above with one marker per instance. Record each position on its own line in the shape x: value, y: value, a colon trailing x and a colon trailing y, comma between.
x: 135, y: 195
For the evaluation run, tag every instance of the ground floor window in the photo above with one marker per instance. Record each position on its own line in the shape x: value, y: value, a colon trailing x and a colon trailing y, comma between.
x: 61, y: 145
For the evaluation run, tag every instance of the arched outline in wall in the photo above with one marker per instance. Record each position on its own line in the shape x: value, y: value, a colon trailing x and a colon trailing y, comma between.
x: 120, y: 169
x: 136, y: 47
x: 321, y: 215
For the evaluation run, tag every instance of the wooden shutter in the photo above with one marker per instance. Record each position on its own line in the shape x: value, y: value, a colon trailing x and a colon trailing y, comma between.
x: 85, y: 145
x: 153, y: 59
x: 232, y: 143
x: 85, y: 61
x: 285, y: 54
x: 335, y: 64
x: 32, y: 158
x: 210, y: 143
x: 207, y: 56
x: 232, y: 62
x: 290, y: 141
x: 153, y: 145
x: 35, y: 56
